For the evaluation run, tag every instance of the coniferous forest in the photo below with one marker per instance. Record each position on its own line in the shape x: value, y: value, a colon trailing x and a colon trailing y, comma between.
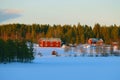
x: 74, y: 34
x: 14, y: 37
x: 15, y: 51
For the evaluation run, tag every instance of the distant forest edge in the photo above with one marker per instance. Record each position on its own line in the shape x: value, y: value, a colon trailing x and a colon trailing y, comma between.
x: 74, y: 34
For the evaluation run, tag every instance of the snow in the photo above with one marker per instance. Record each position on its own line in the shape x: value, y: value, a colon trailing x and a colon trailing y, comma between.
x: 46, y: 51
x: 50, y: 67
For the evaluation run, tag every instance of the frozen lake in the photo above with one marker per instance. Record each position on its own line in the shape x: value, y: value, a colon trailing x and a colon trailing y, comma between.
x: 63, y: 68
x: 50, y: 67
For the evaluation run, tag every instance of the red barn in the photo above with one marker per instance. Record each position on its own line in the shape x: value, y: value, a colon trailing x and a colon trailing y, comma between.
x: 49, y: 42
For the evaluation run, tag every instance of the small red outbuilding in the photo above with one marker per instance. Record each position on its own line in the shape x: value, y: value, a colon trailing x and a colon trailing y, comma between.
x: 49, y: 42
x: 95, y: 41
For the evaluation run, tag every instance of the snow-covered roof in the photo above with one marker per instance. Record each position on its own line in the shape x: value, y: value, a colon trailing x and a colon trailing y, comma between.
x: 50, y: 39
x: 96, y: 39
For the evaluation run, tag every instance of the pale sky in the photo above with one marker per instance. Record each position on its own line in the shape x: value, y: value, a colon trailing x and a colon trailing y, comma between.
x: 105, y: 12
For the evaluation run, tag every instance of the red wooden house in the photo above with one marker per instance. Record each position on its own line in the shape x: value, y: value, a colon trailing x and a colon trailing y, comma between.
x: 95, y: 41
x: 49, y: 42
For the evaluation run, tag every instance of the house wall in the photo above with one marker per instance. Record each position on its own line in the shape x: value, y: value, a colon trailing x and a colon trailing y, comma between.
x: 43, y: 43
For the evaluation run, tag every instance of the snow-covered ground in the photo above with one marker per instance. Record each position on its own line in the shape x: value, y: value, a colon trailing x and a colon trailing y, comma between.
x: 50, y: 67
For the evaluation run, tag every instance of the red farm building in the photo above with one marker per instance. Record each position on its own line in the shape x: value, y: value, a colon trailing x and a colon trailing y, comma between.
x: 95, y: 41
x: 50, y: 42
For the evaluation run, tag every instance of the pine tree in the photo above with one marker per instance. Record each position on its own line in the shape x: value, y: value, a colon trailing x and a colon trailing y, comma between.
x: 2, y: 50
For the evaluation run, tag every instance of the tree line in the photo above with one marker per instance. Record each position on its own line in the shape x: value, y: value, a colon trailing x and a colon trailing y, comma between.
x: 15, y: 51
x: 74, y: 34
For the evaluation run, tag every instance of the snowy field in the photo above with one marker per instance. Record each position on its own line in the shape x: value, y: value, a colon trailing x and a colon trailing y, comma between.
x: 50, y: 67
